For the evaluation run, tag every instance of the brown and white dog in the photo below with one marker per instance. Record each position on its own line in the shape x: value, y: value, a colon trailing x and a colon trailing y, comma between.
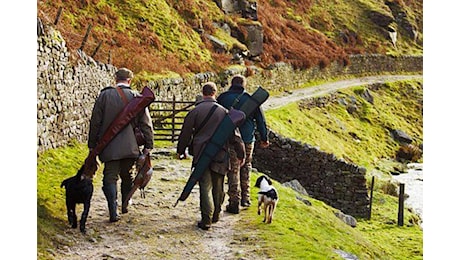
x: 268, y: 196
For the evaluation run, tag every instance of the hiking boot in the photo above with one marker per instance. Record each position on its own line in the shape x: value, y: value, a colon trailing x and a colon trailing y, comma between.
x: 124, y: 206
x: 114, y: 218
x: 245, y: 203
x: 204, y: 226
x: 233, y: 208
x: 110, y: 192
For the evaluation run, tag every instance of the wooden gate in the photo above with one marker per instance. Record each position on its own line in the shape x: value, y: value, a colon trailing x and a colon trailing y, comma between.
x: 168, y: 118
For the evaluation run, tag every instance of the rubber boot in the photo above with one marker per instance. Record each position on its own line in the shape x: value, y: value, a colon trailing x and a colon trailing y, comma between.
x: 125, y: 189
x: 110, y: 192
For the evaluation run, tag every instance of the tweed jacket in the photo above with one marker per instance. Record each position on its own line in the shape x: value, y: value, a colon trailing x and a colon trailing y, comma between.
x: 123, y: 145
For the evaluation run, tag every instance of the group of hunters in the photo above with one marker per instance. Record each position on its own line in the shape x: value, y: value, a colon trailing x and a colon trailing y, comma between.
x: 233, y: 161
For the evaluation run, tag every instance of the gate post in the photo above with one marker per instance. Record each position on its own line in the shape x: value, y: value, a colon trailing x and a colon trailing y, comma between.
x: 173, y: 134
x: 371, y: 198
x: 401, y: 205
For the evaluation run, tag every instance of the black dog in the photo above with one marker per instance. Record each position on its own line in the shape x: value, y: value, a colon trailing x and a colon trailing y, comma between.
x: 79, y: 189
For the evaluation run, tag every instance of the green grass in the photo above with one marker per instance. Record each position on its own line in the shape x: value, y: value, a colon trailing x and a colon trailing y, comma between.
x: 53, y: 166
x: 299, y: 231
x: 313, y: 232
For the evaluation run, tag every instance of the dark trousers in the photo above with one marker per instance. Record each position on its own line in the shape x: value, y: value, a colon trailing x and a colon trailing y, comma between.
x: 119, y: 168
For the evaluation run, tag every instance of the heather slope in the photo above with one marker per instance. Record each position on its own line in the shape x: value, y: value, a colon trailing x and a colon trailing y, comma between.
x: 165, y: 36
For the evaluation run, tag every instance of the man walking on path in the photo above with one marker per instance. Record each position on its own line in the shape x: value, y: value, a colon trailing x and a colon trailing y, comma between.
x: 235, y: 97
x: 122, y: 151
x: 199, y: 126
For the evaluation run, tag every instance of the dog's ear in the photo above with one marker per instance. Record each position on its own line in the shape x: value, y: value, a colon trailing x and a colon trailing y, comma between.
x: 268, y: 180
x: 258, y: 182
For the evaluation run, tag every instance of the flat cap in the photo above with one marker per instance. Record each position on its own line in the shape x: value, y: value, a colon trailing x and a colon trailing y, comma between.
x: 124, y: 74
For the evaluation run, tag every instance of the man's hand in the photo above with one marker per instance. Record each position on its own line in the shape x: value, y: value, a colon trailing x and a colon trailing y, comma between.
x: 241, y: 162
x: 264, y: 144
x: 146, y: 151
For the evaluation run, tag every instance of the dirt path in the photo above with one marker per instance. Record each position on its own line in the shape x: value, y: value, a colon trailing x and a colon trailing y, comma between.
x: 275, y: 102
x: 154, y: 229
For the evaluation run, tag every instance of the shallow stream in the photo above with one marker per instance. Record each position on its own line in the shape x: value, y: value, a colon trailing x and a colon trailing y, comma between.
x: 413, y: 187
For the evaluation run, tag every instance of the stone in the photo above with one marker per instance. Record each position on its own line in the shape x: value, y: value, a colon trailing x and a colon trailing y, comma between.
x: 347, y: 219
x: 297, y: 186
x: 219, y: 45
x: 401, y: 137
x: 254, y: 39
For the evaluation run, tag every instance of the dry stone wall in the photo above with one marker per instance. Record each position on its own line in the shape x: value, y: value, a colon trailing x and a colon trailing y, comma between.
x: 325, y: 177
x: 65, y: 92
x: 281, y: 76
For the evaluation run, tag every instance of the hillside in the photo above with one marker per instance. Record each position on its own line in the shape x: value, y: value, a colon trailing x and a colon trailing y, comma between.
x: 166, y: 36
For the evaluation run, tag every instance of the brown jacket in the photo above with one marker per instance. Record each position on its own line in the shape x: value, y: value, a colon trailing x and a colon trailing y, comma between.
x: 193, y: 120
x: 123, y: 145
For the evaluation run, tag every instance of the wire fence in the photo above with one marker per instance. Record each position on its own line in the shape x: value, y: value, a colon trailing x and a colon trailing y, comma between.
x: 84, y: 42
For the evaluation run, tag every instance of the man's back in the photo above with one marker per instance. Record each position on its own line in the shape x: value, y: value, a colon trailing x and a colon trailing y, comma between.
x: 235, y: 97
x: 105, y: 110
x: 194, y: 119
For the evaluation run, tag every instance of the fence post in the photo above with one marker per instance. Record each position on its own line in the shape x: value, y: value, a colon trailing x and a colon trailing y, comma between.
x: 85, y: 38
x: 401, y: 205
x: 109, y: 58
x: 97, y: 49
x: 372, y: 195
x: 173, y: 137
x: 58, y: 16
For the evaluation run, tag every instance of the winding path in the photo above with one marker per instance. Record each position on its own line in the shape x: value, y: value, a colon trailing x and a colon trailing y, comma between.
x: 278, y: 101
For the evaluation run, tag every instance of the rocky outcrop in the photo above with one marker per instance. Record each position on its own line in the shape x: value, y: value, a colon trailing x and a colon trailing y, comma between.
x: 247, y: 8
x: 401, y: 17
x: 381, y: 19
x: 254, y: 39
x: 394, y: 20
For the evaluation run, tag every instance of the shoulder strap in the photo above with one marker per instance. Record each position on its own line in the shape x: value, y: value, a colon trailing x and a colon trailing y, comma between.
x: 125, y: 100
x: 237, y: 99
x: 205, y: 120
x: 122, y: 95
